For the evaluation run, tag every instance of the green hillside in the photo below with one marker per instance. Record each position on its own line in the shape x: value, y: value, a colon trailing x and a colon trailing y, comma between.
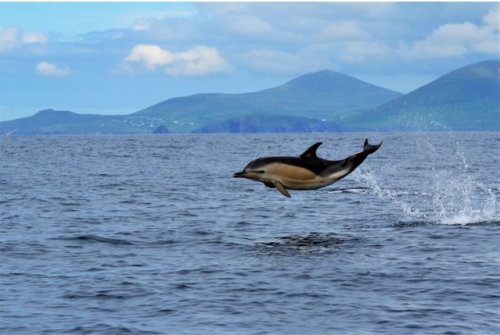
x: 464, y: 99
x: 270, y: 124
x: 323, y: 95
x: 52, y: 122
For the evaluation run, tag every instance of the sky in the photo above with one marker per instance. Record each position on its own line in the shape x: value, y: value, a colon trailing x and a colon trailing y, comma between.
x: 118, y: 58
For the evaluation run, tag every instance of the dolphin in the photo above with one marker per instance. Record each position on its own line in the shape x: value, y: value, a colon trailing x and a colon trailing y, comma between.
x: 306, y: 172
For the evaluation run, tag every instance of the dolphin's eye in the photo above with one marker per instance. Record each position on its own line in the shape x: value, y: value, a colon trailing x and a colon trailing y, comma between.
x: 259, y: 171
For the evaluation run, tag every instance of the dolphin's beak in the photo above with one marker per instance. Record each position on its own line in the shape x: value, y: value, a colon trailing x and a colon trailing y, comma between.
x: 241, y: 174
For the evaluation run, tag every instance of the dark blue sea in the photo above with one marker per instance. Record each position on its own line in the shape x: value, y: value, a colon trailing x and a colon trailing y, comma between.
x: 152, y: 235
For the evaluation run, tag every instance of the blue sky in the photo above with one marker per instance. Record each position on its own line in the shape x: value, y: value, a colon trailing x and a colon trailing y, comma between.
x: 117, y: 58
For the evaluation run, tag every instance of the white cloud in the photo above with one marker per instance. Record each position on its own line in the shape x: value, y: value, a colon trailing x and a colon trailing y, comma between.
x: 459, y: 39
x: 141, y: 25
x: 224, y: 8
x: 360, y: 51
x: 34, y: 38
x: 8, y: 39
x: 51, y: 70
x: 198, y: 61
x: 492, y: 19
x: 283, y: 63
x: 247, y: 25
x: 272, y: 61
x: 344, y: 30
x: 151, y: 56
x: 143, y: 20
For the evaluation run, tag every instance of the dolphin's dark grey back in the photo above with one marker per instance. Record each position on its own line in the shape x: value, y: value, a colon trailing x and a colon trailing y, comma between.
x: 350, y: 163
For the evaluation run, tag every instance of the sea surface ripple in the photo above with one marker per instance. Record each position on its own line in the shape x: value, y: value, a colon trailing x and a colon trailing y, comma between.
x: 151, y: 235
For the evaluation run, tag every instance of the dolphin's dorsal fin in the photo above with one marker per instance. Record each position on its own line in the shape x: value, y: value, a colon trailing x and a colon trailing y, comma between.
x: 311, y: 152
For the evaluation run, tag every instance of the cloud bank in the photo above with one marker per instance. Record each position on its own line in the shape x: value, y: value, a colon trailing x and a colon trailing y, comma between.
x: 12, y: 38
x: 47, y: 69
x: 133, y: 54
x: 198, y: 61
x: 459, y: 39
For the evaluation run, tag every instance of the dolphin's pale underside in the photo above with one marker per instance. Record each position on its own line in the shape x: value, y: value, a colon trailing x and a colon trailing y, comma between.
x: 306, y: 172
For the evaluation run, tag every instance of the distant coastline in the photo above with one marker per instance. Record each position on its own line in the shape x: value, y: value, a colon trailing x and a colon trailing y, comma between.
x: 467, y: 99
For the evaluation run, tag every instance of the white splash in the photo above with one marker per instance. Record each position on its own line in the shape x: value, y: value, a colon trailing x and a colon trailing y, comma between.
x: 462, y: 200
x: 451, y: 198
x: 368, y: 178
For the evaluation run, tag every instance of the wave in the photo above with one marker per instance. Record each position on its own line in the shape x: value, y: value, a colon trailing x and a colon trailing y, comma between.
x: 106, y: 329
x: 91, y: 238
x: 359, y: 189
x: 458, y: 222
x: 464, y: 219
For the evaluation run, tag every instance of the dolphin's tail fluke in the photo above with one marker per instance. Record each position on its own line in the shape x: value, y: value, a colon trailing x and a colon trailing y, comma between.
x: 370, y: 148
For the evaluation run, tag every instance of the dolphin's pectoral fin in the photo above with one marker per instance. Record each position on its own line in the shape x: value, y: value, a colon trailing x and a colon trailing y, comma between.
x: 269, y: 184
x: 282, y: 189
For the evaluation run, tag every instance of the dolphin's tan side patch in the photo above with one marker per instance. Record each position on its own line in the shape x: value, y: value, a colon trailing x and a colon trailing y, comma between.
x: 298, y: 178
x: 290, y: 172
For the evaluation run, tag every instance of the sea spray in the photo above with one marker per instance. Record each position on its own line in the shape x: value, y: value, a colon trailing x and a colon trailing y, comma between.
x: 452, y: 193
x: 370, y: 180
x: 460, y: 199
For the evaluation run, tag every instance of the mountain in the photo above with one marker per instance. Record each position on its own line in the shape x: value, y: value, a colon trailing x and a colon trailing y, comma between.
x: 53, y: 122
x: 324, y: 95
x: 270, y: 124
x: 464, y: 99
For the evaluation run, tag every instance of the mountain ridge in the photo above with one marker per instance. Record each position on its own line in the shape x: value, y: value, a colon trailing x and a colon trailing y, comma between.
x: 467, y: 98
x: 339, y: 95
x: 61, y: 122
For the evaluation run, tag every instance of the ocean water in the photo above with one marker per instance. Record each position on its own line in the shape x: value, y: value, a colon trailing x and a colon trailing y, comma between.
x: 151, y: 235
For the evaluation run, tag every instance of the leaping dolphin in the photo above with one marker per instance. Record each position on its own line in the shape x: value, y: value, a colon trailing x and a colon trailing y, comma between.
x: 306, y: 172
